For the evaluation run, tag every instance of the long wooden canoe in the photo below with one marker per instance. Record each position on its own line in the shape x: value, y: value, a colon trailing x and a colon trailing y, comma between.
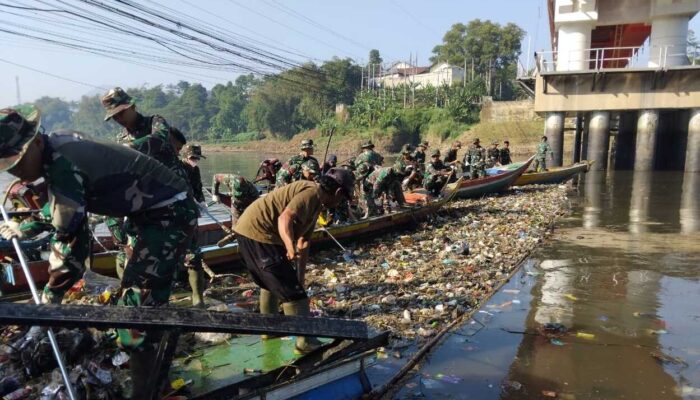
x: 553, y: 175
x: 221, y: 258
x: 469, y: 188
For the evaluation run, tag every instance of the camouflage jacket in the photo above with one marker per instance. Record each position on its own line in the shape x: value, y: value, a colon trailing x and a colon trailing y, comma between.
x: 381, y: 179
x: 152, y: 137
x: 194, y: 177
x: 366, y: 162
x: 434, y: 170
x: 402, y: 167
x: 298, y: 161
x: 493, y: 155
x: 80, y: 181
x: 241, y: 190
x: 543, y: 148
x: 475, y: 156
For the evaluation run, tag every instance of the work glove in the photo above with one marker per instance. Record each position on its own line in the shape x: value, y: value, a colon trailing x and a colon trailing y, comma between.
x: 215, y: 198
x: 10, y: 229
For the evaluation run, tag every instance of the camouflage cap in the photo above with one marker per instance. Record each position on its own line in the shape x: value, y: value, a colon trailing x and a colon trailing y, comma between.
x: 367, y: 144
x: 116, y: 101
x: 495, y: 142
x: 424, y: 144
x: 307, y: 144
x: 17, y: 129
x: 193, y: 150
x: 476, y: 140
x: 457, y: 143
x: 406, y: 149
x: 435, y: 153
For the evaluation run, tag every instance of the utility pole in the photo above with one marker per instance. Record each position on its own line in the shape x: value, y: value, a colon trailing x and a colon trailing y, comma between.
x: 19, y: 98
x: 362, y: 78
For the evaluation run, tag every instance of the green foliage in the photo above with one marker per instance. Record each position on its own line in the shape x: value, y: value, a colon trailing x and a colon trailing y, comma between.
x: 374, y: 57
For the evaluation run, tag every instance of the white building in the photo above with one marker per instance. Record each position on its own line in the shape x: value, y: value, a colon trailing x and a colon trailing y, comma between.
x: 402, y: 73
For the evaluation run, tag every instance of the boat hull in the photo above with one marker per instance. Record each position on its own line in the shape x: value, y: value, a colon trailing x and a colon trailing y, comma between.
x: 489, y: 184
x: 553, y: 175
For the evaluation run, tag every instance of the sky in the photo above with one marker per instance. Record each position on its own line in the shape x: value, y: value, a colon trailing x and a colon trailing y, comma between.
x: 313, y: 29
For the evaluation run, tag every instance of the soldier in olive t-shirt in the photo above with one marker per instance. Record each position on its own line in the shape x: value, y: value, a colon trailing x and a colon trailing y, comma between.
x: 273, y: 236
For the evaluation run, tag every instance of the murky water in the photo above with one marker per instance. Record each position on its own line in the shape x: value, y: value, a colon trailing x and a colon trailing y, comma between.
x: 621, y: 274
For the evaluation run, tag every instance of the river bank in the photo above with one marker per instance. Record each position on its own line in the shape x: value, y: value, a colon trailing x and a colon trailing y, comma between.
x: 523, y: 137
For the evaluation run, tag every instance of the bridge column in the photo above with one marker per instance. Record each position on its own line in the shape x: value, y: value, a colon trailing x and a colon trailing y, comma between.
x: 692, y: 150
x: 599, y: 139
x: 573, y: 40
x: 647, y: 135
x: 625, y: 143
x: 578, y: 137
x: 668, y: 41
x: 554, y: 130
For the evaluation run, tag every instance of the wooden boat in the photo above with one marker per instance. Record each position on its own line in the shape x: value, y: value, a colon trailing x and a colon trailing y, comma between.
x: 491, y: 183
x: 553, y: 175
x: 222, y: 258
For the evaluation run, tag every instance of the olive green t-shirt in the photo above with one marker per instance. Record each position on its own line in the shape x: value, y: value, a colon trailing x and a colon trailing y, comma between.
x: 259, y: 220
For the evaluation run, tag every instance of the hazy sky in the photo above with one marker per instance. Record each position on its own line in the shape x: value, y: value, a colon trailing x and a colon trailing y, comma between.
x: 317, y: 29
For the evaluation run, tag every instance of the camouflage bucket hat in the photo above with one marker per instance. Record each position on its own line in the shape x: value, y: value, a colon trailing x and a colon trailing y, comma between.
x: 193, y: 150
x: 116, y: 101
x: 367, y: 144
x: 406, y: 149
x: 435, y: 152
x: 425, y: 145
x: 17, y: 129
x: 307, y: 144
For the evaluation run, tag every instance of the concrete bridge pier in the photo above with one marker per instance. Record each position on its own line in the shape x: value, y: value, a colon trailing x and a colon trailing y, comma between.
x: 625, y: 141
x: 647, y: 136
x: 692, y: 150
x: 578, y: 137
x: 554, y: 130
x: 599, y: 139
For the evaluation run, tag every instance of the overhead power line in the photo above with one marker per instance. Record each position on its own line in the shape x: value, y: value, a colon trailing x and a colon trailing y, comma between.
x: 53, y: 75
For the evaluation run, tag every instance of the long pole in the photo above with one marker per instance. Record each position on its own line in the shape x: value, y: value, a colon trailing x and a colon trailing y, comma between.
x: 328, y: 144
x: 35, y: 296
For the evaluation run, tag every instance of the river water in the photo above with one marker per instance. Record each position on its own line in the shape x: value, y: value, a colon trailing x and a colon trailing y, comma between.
x: 620, y: 274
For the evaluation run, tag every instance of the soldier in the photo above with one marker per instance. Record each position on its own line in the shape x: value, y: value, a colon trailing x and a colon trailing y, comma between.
x: 419, y: 154
x: 493, y: 155
x: 331, y: 162
x: 475, y: 159
x: 268, y: 170
x: 305, y: 157
x: 504, y: 156
x: 193, y: 258
x: 451, y: 156
x: 273, y: 235
x: 308, y: 172
x: 240, y: 193
x: 285, y: 175
x: 366, y: 163
x: 385, y: 184
x: 406, y: 168
x: 161, y: 216
x: 436, y: 174
x: 543, y: 148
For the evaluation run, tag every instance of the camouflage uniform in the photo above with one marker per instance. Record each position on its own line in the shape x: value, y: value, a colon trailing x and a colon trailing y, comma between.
x: 366, y: 163
x: 543, y: 148
x: 383, y: 183
x: 242, y: 192
x: 476, y: 159
x: 434, y: 179
x: 451, y: 155
x: 419, y: 156
x: 493, y: 155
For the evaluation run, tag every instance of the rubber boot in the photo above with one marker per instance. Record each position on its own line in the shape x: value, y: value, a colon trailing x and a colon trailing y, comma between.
x: 269, y: 304
x: 196, y: 279
x: 141, y: 365
x: 303, y: 345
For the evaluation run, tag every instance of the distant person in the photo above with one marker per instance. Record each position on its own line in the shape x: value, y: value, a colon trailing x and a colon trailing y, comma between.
x: 475, y: 159
x: 292, y: 170
x: 331, y: 162
x: 451, y: 155
x: 268, y: 170
x: 543, y: 148
x: 385, y: 185
x: 274, y: 234
x: 419, y: 154
x: 493, y: 155
x: 505, y: 154
x: 436, y: 174
x: 239, y: 193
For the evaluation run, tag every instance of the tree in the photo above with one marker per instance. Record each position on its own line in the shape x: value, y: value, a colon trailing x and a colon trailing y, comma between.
x: 693, y: 48
x: 374, y: 57
x: 491, y: 49
x: 55, y: 113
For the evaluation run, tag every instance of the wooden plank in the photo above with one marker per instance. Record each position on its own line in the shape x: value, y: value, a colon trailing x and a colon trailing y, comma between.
x: 186, y: 319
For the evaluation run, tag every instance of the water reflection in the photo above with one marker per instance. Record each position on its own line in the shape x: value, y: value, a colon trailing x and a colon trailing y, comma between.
x: 639, y: 202
x: 690, y: 211
x: 593, y: 187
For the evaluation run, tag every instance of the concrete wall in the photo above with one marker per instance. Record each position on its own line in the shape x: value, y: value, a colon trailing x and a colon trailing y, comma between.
x: 446, y: 76
x: 621, y: 90
x: 499, y: 111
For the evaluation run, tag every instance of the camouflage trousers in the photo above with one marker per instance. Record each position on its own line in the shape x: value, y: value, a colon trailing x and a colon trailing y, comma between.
x: 157, y: 243
x: 477, y: 171
x: 67, y: 262
x: 435, y: 185
x: 368, y: 204
x: 540, y: 164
